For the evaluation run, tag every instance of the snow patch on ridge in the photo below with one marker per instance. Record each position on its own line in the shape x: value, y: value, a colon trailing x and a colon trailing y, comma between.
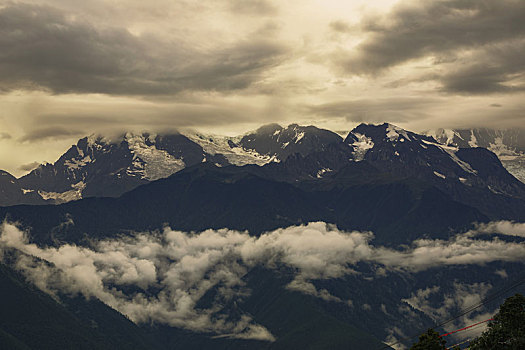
x: 229, y: 148
x: 361, y: 146
x: 439, y: 175
x: 62, y: 197
x: 394, y: 132
x: 323, y: 171
x: 515, y: 165
x: 96, y: 141
x: 149, y: 162
x: 75, y: 164
x: 473, y: 142
x: 452, y: 153
x: 500, y: 149
x: 445, y: 136
x: 299, y: 136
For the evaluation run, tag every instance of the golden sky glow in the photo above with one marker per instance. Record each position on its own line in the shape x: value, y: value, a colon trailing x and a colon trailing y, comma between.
x: 72, y: 68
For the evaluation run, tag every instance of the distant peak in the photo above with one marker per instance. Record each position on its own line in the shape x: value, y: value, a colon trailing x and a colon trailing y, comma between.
x: 394, y: 132
x: 364, y: 127
x: 91, y: 140
x: 392, y: 126
x: 374, y: 125
x: 388, y: 132
x: 269, y: 128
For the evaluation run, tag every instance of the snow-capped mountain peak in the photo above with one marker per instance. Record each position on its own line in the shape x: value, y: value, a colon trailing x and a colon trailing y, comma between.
x: 96, y: 166
x: 361, y: 145
x: 275, y: 141
x: 502, y: 142
x: 230, y: 148
x: 390, y: 146
x: 150, y: 162
x: 395, y: 133
x: 507, y: 144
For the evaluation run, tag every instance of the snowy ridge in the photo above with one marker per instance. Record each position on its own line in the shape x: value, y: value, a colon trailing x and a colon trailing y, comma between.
x: 500, y: 149
x: 229, y: 148
x: 507, y: 144
x: 444, y: 136
x: 501, y: 142
x: 323, y: 171
x: 279, y: 142
x: 62, y: 197
x: 149, y: 162
x: 394, y: 132
x: 473, y: 142
x: 451, y: 151
x: 77, y: 163
x: 391, y: 142
x: 298, y: 137
x: 515, y: 165
x: 96, y: 166
x: 361, y: 146
x: 439, y: 175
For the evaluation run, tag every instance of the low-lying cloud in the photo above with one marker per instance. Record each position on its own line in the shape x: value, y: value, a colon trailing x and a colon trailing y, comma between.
x: 507, y: 228
x: 461, y: 297
x: 171, y: 271
x: 48, y: 133
x: 29, y: 166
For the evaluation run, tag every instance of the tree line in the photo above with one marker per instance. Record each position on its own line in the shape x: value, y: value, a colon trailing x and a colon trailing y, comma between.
x: 506, y: 331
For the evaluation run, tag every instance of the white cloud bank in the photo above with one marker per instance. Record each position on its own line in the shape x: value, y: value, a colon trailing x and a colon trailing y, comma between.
x: 173, y: 270
x: 507, y: 228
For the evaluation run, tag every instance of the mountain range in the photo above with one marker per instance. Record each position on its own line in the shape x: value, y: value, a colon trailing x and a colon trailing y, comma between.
x: 98, y: 167
x: 379, y: 177
x: 281, y: 238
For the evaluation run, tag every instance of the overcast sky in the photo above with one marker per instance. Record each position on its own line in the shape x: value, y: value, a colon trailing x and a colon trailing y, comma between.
x: 70, y: 68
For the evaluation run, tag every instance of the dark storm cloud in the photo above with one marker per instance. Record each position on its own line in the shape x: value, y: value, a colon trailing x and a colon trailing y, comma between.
x: 340, y: 26
x: 43, y: 48
x: 253, y: 7
x: 55, y: 132
x: 235, y: 67
x: 29, y: 166
x: 5, y: 136
x: 498, y: 68
x: 375, y: 110
x: 136, y: 117
x: 445, y: 29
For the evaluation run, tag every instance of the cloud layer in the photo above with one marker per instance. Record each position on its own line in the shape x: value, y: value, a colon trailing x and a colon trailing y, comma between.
x: 52, y: 51
x: 68, y: 70
x: 170, y: 271
x: 462, y: 296
x: 508, y: 228
x: 479, y: 42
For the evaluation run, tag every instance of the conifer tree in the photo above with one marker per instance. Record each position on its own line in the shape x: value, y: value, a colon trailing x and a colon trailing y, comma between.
x: 429, y: 341
x: 507, y: 331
